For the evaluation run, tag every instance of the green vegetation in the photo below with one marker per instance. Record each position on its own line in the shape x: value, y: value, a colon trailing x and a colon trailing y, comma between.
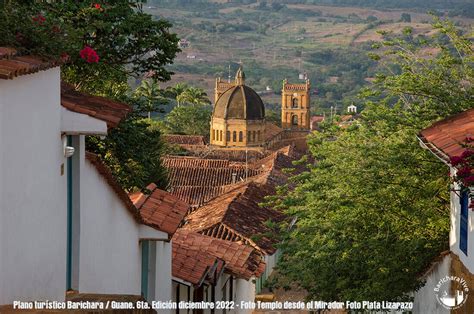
x: 373, y: 209
x: 282, y: 39
x: 188, y: 119
x: 104, y: 45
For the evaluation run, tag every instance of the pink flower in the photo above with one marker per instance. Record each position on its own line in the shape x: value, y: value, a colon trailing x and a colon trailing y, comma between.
x: 455, y: 160
x: 89, y: 54
x: 469, y: 139
x: 467, y: 153
x: 464, y: 172
x: 98, y: 6
x: 468, y: 181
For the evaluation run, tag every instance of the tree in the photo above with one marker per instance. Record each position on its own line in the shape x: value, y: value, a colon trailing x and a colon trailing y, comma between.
x: 127, y: 41
x: 133, y: 152
x: 104, y: 44
x: 176, y: 91
x: 405, y: 17
x: 190, y: 120
x: 194, y: 96
x: 373, y: 210
x: 150, y: 92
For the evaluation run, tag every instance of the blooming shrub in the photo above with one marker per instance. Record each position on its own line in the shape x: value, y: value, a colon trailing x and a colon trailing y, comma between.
x: 465, y: 165
x: 89, y: 54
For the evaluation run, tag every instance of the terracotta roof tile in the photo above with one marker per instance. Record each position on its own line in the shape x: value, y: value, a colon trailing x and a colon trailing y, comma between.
x: 197, y: 180
x: 13, y: 65
x: 193, y: 265
x: 240, y: 260
x: 237, y: 216
x: 184, y: 139
x: 271, y: 130
x: 444, y: 137
x: 160, y: 209
x: 109, y: 111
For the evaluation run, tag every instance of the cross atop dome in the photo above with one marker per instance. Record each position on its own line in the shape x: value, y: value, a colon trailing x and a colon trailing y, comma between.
x: 240, y: 76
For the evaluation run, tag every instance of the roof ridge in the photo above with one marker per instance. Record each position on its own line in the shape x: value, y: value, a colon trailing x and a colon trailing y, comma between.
x: 244, y: 100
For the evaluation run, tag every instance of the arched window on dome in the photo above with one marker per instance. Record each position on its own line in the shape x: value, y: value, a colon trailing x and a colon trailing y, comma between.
x: 212, y: 135
x: 234, y: 136
x: 220, y: 135
x: 249, y: 136
x: 294, y: 120
x: 259, y: 135
x: 241, y: 136
x: 227, y: 137
x: 254, y: 138
x: 294, y: 103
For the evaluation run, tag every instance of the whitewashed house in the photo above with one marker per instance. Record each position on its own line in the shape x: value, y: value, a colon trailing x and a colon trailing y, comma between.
x: 65, y: 223
x: 444, y: 139
x: 33, y: 183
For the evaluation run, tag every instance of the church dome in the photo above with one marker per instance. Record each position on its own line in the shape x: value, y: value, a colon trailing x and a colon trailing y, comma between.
x: 239, y: 102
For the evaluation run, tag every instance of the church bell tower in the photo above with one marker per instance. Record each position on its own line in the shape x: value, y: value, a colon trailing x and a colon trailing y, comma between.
x: 295, y: 106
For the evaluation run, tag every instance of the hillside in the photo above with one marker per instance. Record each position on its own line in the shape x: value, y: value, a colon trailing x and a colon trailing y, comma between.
x: 276, y: 41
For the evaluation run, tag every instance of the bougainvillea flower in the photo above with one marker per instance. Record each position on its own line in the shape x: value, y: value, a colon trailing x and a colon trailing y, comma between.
x: 464, y: 172
x: 39, y: 19
x: 468, y: 181
x: 467, y: 153
x: 89, y: 54
x: 469, y: 139
x: 455, y: 160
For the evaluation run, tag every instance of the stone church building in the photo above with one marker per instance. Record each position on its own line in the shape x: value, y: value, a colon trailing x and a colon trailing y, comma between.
x: 238, y: 118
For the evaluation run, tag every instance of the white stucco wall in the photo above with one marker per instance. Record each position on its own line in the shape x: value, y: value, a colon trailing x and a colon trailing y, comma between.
x: 425, y: 298
x: 110, y: 258
x: 32, y: 190
x: 110, y: 253
x: 163, y: 276
x: 455, y: 213
x: 244, y: 291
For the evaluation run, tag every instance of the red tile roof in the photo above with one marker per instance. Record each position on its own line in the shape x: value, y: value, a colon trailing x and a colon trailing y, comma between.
x: 184, y: 139
x: 271, y: 130
x: 315, y: 121
x: 109, y: 111
x: 317, y: 118
x: 197, y: 180
x: 193, y: 265
x: 160, y: 209
x: 444, y: 137
x: 13, y: 65
x: 237, y: 216
x: 241, y: 261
